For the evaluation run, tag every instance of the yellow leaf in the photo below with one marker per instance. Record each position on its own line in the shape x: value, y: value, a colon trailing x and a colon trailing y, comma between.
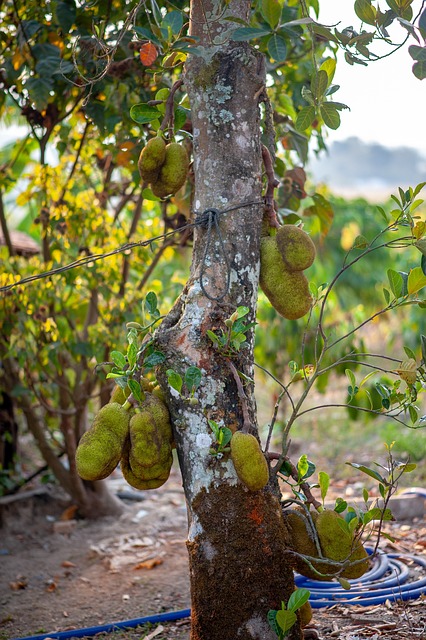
x: 408, y: 371
x: 17, y: 60
x: 419, y: 229
x: 416, y: 280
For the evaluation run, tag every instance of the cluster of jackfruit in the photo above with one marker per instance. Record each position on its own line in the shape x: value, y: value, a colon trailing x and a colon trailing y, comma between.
x: 249, y: 462
x: 140, y: 439
x: 164, y: 166
x: 335, y: 543
x: 283, y: 258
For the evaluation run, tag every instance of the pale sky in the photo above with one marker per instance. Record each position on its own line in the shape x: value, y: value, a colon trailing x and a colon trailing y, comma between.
x: 388, y: 104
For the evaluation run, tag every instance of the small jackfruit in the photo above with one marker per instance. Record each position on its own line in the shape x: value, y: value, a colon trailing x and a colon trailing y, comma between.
x: 296, y: 247
x: 173, y: 172
x: 305, y: 613
x: 152, y: 158
x: 100, y: 449
x: 339, y: 545
x: 249, y: 461
x: 119, y: 395
x: 287, y: 291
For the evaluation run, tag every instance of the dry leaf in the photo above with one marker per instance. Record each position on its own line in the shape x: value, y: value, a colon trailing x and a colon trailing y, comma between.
x: 148, y: 564
x: 19, y: 584
x: 67, y: 564
x: 69, y: 513
x: 148, y: 54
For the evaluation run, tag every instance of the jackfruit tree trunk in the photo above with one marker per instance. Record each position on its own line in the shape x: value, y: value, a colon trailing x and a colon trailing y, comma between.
x: 237, y: 538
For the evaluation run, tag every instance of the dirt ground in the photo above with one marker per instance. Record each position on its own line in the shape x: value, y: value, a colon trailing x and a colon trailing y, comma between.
x: 61, y: 574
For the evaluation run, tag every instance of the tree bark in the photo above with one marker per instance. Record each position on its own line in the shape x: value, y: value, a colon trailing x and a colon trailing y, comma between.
x: 237, y: 538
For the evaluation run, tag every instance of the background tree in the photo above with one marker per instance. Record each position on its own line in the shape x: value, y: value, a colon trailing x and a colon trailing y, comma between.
x: 75, y: 73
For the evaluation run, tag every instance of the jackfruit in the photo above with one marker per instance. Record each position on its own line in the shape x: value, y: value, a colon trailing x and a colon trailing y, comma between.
x: 296, y: 247
x: 152, y: 158
x: 335, y: 545
x: 339, y: 545
x: 119, y: 395
x: 173, y: 172
x: 305, y: 613
x: 141, y: 482
x: 287, y: 291
x: 100, y: 449
x: 249, y: 461
x: 302, y: 540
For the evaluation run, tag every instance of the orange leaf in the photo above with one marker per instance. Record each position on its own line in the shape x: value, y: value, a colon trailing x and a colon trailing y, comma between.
x: 148, y: 564
x: 148, y: 54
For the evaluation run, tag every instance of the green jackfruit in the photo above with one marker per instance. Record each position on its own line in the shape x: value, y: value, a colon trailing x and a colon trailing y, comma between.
x: 141, y: 482
x: 119, y: 395
x: 335, y: 545
x: 287, y: 291
x: 339, y: 545
x: 173, y: 172
x: 249, y: 461
x: 100, y: 449
x: 296, y: 247
x: 151, y: 159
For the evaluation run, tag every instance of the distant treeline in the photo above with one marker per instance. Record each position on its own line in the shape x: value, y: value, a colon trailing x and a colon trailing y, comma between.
x: 351, y: 162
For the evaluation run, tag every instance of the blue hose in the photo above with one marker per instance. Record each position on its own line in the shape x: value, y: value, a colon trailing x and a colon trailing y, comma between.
x: 387, y: 578
x: 113, y: 626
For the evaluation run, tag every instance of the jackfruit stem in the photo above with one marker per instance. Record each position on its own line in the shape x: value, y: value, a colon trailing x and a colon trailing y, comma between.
x: 167, y: 121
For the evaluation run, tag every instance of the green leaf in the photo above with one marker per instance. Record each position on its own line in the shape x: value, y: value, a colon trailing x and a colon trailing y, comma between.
x: 226, y: 435
x: 65, y: 14
x: 118, y: 359
x: 369, y: 472
x: 181, y: 115
x: 249, y: 33
x: 39, y: 90
x: 271, y: 12
x: 416, y: 280
x: 422, y: 24
x: 242, y: 311
x: 305, y: 118
x: 319, y: 83
x: 132, y: 354
x: 324, y: 482
x: 192, y: 378
x: 151, y: 303
x: 135, y: 388
x: 302, y: 466
x: 419, y: 70
x: 365, y: 495
x: 365, y: 11
x: 154, y: 359
x: 417, y: 53
x: 286, y: 619
x: 330, y: 115
x: 174, y: 380
x: 272, y: 621
x: 298, y: 598
x: 213, y: 337
x: 409, y: 467
x: 174, y: 21
x: 423, y: 264
x: 143, y: 113
x: 396, y: 282
x: 414, y: 415
x: 277, y: 48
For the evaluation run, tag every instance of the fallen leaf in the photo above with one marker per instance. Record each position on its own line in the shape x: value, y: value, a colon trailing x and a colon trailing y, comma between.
x: 67, y: 564
x: 18, y: 584
x: 69, y: 513
x: 156, y: 632
x: 51, y: 586
x: 148, y: 564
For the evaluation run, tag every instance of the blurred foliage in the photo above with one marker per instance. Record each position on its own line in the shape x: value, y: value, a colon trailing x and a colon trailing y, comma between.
x: 89, y: 83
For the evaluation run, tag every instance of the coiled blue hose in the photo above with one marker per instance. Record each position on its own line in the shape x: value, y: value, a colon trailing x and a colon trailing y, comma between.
x: 387, y: 578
